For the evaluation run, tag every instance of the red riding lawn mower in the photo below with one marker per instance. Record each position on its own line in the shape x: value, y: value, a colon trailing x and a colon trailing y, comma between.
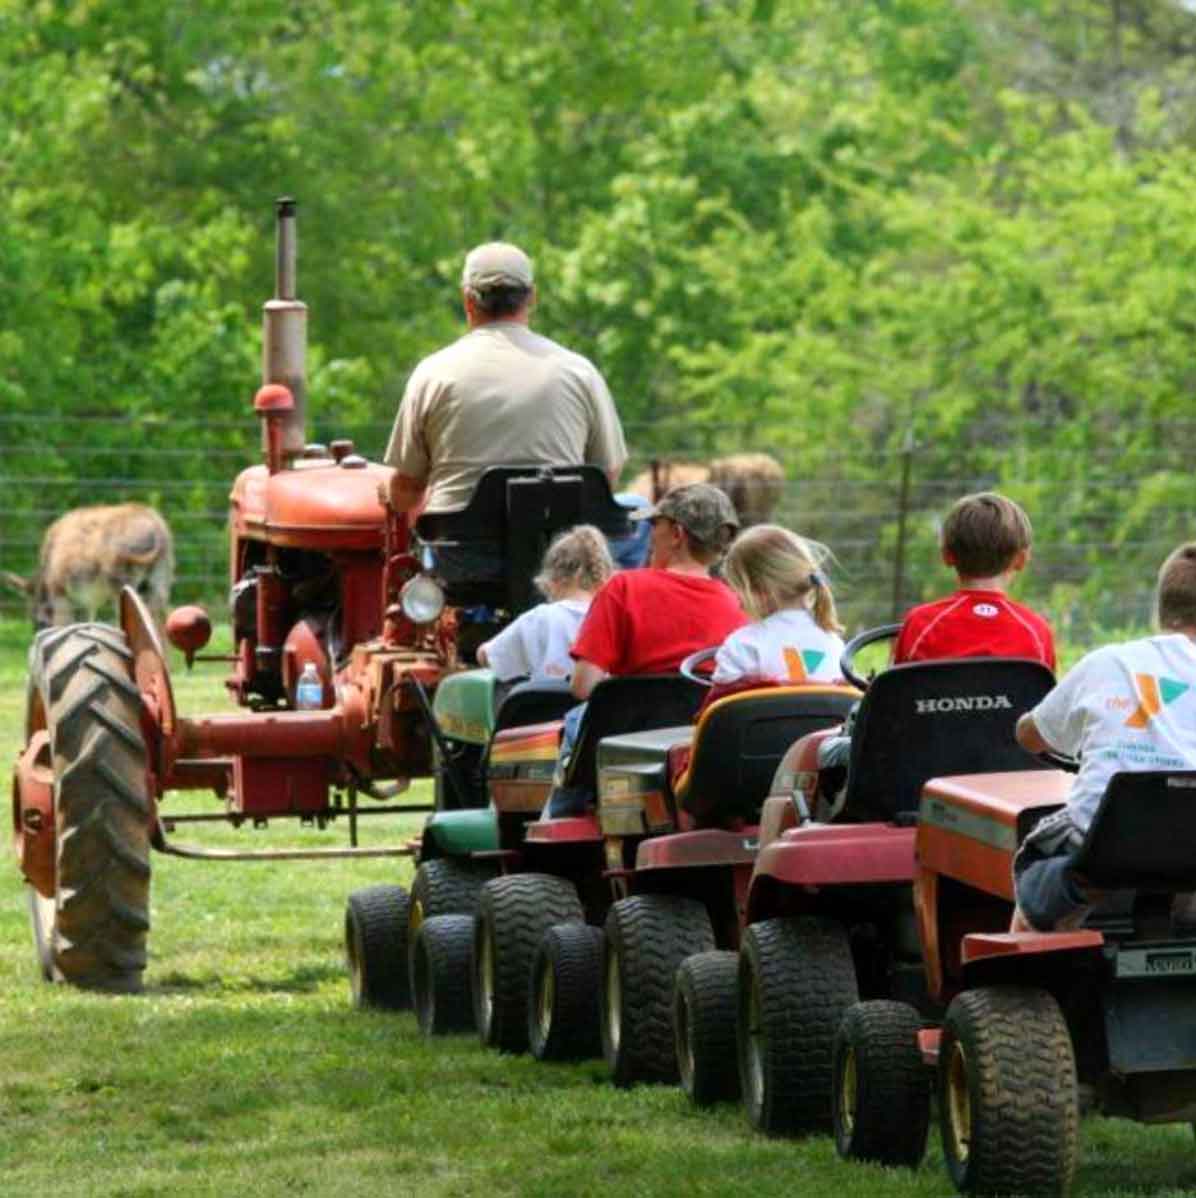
x: 830, y: 907
x: 1037, y: 1024
x: 325, y: 580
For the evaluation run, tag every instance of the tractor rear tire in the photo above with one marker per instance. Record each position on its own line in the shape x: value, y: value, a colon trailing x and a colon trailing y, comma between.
x: 1008, y: 1108
x: 92, y: 933
x: 647, y: 938
x: 705, y: 999
x: 441, y: 981
x: 881, y: 1098
x: 513, y: 914
x: 376, y: 948
x: 566, y: 977
x: 796, y: 981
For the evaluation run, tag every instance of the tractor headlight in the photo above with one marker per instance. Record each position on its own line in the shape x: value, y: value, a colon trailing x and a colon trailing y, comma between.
x: 421, y: 599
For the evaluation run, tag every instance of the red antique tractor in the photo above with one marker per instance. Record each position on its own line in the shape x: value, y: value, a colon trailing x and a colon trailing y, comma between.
x: 326, y: 580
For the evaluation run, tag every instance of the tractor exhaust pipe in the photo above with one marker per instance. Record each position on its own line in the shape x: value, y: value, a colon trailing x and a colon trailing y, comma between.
x: 284, y: 336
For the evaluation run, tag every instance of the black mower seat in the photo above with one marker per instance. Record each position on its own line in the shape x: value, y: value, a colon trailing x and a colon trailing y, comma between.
x: 631, y: 703
x: 533, y: 703
x: 931, y: 719
x: 1143, y: 836
x: 489, y: 552
x: 739, y: 743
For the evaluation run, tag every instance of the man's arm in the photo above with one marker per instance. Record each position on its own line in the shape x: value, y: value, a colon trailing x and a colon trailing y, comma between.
x: 586, y: 676
x: 1029, y: 737
x: 406, y: 491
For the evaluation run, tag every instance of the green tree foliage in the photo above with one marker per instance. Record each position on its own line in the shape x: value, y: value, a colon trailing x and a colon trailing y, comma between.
x: 819, y: 227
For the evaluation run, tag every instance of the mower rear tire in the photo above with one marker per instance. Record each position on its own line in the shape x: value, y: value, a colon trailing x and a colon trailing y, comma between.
x: 441, y: 979
x: 513, y: 914
x: 647, y: 938
x: 563, y: 1014
x: 881, y: 1097
x: 796, y: 981
x: 92, y: 933
x: 1008, y: 1108
x: 704, y: 1004
x: 376, y: 947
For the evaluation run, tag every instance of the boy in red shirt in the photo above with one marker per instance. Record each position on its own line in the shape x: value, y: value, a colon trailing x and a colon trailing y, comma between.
x: 986, y: 541
x: 649, y: 621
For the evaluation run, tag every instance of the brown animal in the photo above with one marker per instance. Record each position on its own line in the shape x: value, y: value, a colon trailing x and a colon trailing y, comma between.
x: 88, y: 554
x: 753, y: 481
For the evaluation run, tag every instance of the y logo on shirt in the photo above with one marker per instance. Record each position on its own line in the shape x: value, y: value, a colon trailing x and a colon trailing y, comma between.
x: 801, y: 665
x: 1153, y: 695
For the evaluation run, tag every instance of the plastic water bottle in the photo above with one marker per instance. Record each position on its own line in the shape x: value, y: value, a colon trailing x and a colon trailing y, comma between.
x: 309, y: 690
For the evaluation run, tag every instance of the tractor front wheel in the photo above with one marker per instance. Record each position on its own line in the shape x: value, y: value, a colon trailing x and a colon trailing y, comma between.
x: 562, y: 1020
x: 440, y: 977
x: 92, y: 931
x: 704, y: 1004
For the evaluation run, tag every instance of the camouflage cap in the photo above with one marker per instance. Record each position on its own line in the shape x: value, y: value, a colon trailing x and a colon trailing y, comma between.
x: 702, y: 510
x: 496, y: 264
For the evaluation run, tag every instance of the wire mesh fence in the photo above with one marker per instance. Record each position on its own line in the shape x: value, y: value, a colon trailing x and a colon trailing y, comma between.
x: 1106, y: 509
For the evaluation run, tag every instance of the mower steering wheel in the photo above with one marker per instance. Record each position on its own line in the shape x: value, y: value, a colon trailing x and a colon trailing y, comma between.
x: 1059, y: 761
x: 702, y: 657
x: 886, y: 632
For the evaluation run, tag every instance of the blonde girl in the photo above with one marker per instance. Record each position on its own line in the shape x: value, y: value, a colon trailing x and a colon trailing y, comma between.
x: 536, y: 644
x: 795, y: 634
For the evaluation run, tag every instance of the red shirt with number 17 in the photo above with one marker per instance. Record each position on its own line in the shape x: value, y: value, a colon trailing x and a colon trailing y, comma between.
x: 974, y: 623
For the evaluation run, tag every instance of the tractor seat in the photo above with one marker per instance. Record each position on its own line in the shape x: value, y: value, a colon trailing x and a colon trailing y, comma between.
x: 931, y: 719
x: 537, y: 702
x: 739, y: 742
x: 488, y: 553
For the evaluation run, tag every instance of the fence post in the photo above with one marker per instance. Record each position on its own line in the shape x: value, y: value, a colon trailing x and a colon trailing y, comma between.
x: 907, y: 457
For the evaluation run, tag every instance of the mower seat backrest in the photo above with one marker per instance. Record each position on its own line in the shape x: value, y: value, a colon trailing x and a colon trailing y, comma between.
x: 739, y: 743
x: 931, y: 719
x: 631, y: 703
x: 1143, y: 836
x: 534, y: 703
x: 489, y: 552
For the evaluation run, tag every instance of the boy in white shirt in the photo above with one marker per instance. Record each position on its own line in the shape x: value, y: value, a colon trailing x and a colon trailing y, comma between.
x: 1128, y: 707
x: 536, y: 644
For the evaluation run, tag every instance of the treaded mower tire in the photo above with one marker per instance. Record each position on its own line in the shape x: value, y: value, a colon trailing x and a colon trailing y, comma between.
x: 566, y: 977
x: 443, y: 886
x: 1008, y: 1109
x: 647, y: 938
x: 81, y: 691
x: 796, y: 981
x: 513, y: 914
x: 441, y: 980
x: 376, y: 947
x: 881, y: 1098
x: 705, y: 999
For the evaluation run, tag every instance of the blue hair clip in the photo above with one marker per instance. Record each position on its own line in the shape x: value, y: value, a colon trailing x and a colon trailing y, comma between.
x: 816, y: 579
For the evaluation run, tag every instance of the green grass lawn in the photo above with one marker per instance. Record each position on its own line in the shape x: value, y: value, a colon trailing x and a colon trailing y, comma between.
x: 243, y: 1071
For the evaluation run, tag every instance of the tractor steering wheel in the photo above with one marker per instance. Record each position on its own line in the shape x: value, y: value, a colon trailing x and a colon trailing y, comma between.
x: 702, y: 657
x: 886, y: 632
x: 1059, y: 761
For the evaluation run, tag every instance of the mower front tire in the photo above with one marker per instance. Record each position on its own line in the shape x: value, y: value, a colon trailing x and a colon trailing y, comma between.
x: 1008, y: 1106
x: 563, y: 1014
x: 376, y: 920
x: 441, y: 981
x: 704, y: 1005
x: 881, y: 1099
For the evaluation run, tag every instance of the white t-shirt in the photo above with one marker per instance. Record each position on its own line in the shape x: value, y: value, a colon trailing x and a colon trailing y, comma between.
x: 1128, y: 707
x: 787, y: 646
x: 536, y: 644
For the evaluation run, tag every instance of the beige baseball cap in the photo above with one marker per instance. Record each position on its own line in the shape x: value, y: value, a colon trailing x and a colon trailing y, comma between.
x: 496, y: 264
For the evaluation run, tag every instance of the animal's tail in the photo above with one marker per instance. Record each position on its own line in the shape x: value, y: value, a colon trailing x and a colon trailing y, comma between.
x: 16, y: 582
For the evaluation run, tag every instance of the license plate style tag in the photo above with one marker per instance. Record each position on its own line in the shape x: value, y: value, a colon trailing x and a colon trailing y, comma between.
x: 1157, y: 961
